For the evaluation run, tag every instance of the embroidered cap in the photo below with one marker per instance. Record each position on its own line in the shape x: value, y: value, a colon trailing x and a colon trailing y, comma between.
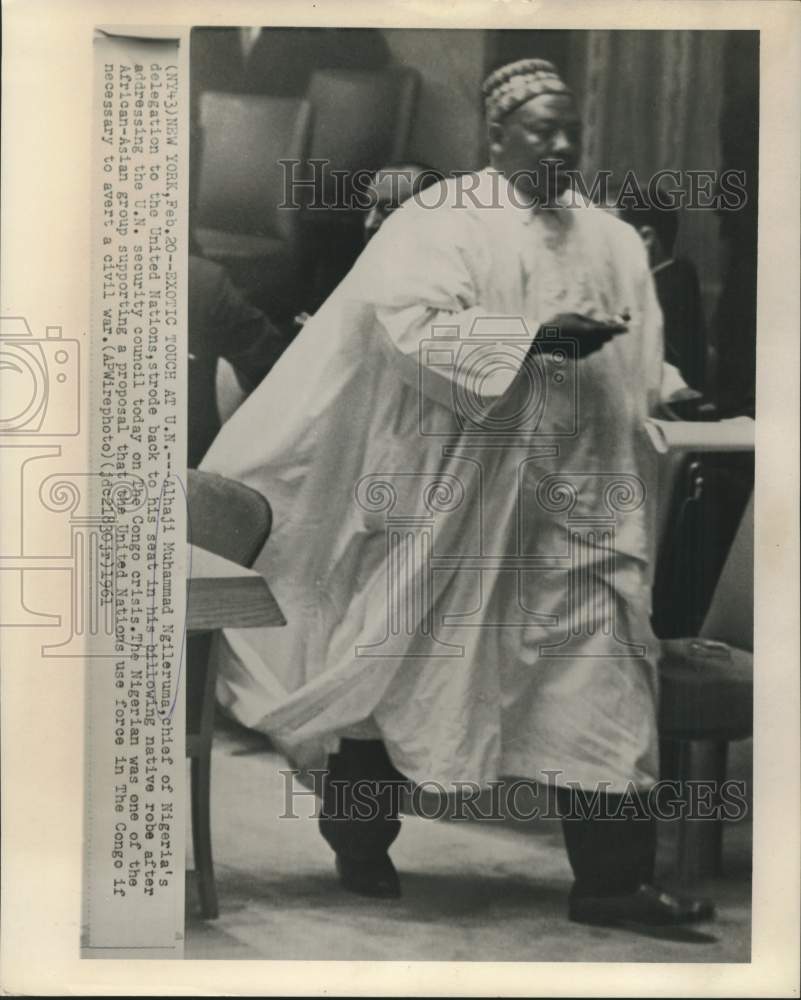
x: 512, y: 85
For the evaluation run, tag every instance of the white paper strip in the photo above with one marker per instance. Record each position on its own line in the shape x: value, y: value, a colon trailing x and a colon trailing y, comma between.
x: 735, y: 434
x: 135, y: 547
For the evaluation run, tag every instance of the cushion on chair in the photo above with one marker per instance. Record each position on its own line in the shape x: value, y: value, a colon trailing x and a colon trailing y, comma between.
x: 266, y: 269
x: 707, y: 691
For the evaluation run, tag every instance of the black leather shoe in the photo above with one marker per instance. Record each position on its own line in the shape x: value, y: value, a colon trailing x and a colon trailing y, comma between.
x: 648, y: 906
x: 376, y: 878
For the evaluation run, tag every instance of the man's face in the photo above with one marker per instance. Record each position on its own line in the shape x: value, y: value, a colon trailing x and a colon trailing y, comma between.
x: 541, y: 138
x: 388, y: 190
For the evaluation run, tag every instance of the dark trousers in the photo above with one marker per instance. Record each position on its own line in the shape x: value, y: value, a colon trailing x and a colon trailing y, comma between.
x: 608, y: 855
x: 360, y: 797
x: 359, y: 818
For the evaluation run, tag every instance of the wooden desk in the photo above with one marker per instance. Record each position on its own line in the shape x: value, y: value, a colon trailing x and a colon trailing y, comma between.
x: 222, y: 594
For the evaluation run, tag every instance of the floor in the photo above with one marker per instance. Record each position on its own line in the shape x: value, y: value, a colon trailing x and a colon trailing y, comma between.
x: 487, y: 891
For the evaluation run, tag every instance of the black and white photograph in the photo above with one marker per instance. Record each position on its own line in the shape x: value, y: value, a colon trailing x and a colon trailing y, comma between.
x: 472, y: 339
x: 399, y: 564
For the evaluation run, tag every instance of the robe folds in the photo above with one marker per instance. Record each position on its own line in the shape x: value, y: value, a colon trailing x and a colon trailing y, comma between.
x: 463, y: 530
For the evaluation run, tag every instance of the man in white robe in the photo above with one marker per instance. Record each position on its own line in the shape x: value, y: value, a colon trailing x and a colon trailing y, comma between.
x: 454, y: 452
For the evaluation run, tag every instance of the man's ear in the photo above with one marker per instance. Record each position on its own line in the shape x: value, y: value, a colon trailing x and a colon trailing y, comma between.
x: 495, y: 136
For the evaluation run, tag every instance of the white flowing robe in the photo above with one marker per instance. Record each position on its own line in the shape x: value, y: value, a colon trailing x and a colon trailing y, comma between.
x: 475, y: 594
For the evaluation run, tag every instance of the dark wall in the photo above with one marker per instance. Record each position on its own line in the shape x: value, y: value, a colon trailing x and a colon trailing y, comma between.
x: 505, y: 46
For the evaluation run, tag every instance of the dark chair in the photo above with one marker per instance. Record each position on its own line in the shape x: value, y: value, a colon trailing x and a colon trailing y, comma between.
x: 239, y: 221
x: 232, y: 521
x: 282, y: 60
x: 361, y: 121
x: 706, y: 700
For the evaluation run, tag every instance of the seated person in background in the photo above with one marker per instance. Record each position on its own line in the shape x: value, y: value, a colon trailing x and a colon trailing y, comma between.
x: 222, y: 324
x: 677, y: 288
x: 389, y: 188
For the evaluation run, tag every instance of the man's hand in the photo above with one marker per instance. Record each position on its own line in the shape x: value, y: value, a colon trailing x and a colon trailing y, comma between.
x: 590, y: 334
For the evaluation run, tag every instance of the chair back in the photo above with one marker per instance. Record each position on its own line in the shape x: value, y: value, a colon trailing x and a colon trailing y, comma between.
x: 731, y: 614
x: 226, y: 517
x: 361, y: 118
x: 242, y: 181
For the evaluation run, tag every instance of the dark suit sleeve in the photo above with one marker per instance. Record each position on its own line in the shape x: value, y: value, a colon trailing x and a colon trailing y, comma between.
x: 244, y: 335
x: 679, y: 295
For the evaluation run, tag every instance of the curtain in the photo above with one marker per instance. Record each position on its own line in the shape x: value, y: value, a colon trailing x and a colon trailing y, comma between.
x: 651, y: 101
